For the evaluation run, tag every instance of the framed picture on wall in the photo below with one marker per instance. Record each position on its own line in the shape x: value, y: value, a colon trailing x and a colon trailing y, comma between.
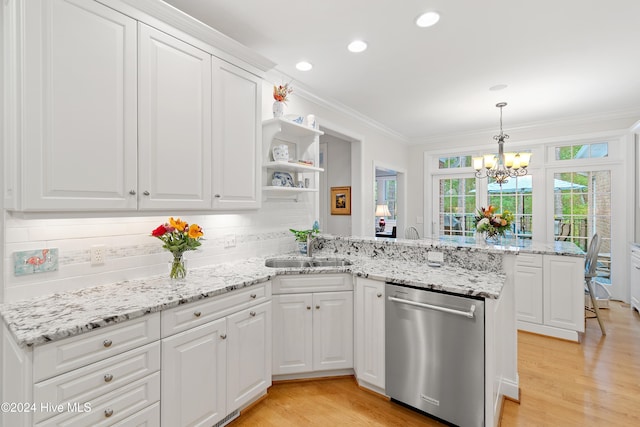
x: 340, y: 200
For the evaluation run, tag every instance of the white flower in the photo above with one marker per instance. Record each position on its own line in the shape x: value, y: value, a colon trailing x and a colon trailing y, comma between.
x: 482, y: 222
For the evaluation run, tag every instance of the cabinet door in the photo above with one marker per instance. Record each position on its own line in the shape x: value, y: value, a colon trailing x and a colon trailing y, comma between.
x: 79, y: 132
x: 175, y: 123
x: 369, y: 332
x: 248, y: 355
x: 292, y: 333
x: 332, y: 330
x: 634, y: 278
x: 194, y: 376
x: 528, y: 289
x: 563, y: 292
x: 237, y: 136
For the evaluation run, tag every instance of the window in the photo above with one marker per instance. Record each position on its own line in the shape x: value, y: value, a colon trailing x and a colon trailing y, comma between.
x: 582, y: 151
x: 582, y: 207
x: 457, y: 206
x: 385, y: 191
x: 515, y: 196
x: 454, y: 162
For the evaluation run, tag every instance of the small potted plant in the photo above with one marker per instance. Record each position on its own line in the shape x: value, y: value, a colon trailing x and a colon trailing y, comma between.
x: 303, y: 236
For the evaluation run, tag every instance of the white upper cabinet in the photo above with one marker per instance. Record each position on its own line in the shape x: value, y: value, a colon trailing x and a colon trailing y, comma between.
x: 237, y: 137
x: 174, y: 128
x: 104, y: 112
x: 79, y: 107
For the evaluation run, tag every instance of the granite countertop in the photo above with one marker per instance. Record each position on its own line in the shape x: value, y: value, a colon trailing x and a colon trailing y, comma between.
x: 53, y: 317
x: 504, y: 245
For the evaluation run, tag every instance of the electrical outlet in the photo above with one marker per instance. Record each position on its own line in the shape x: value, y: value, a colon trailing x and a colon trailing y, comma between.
x: 97, y: 254
x: 434, y: 256
x: 230, y: 241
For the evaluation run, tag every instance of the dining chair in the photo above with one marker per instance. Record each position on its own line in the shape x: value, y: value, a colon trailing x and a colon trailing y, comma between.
x: 590, y: 266
x: 565, y: 231
x: 411, y: 233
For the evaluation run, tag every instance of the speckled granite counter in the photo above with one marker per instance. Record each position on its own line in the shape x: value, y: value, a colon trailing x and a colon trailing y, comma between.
x: 468, y: 269
x: 57, y: 316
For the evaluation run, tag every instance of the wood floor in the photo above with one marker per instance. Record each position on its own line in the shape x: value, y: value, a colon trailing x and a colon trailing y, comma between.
x: 594, y: 383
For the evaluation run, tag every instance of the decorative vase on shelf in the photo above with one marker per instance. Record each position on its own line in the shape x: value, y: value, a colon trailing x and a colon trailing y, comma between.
x: 177, y: 267
x: 278, y: 109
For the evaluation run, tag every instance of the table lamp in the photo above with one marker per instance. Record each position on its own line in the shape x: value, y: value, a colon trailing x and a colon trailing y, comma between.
x: 382, y: 211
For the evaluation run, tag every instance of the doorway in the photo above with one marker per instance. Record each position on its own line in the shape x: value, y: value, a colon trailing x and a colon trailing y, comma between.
x: 389, y: 201
x: 335, y: 159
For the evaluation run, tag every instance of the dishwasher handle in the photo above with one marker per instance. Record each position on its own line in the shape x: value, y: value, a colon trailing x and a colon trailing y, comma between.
x: 468, y: 314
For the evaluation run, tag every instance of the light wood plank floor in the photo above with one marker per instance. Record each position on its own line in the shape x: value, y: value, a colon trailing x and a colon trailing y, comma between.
x: 594, y: 383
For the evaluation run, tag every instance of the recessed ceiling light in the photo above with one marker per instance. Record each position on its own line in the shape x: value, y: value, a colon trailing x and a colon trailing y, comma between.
x: 428, y: 19
x: 304, y: 66
x: 497, y: 87
x: 357, y: 46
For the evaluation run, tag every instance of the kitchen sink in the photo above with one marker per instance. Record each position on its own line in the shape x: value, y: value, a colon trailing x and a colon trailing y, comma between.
x: 331, y: 262
x: 302, y: 263
x: 287, y: 263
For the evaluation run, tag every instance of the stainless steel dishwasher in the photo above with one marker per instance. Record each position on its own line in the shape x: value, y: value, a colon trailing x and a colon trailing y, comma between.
x: 435, y: 353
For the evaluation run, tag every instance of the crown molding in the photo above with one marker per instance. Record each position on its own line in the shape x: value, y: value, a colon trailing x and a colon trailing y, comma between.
x: 630, y: 114
x: 307, y: 93
x: 160, y: 14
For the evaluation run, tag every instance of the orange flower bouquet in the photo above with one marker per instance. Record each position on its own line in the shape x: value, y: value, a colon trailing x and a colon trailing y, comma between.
x: 491, y: 223
x: 178, y: 237
x: 281, y: 92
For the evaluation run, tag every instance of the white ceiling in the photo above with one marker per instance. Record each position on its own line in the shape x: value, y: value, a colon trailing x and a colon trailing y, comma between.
x: 559, y: 58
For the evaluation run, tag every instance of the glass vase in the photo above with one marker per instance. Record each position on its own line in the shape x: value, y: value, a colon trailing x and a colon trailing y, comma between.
x: 178, y: 267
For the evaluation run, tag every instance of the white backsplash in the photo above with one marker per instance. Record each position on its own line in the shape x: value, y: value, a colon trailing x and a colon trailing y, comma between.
x: 131, y: 253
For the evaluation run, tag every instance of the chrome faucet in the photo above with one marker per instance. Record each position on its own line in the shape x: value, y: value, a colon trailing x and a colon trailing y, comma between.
x: 310, y: 241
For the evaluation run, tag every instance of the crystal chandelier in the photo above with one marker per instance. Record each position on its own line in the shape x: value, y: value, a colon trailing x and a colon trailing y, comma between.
x: 505, y: 165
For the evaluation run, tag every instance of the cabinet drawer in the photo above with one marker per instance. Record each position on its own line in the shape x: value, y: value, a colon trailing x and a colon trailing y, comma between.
x: 149, y: 416
x: 84, y: 384
x: 529, y: 260
x: 62, y: 356
x: 190, y: 315
x: 294, y: 284
x: 112, y: 407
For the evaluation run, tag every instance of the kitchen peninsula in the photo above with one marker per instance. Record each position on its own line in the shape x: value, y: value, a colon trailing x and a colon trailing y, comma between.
x: 53, y: 340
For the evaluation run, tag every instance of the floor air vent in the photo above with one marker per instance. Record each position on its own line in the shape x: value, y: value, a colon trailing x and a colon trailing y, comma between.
x: 226, y: 420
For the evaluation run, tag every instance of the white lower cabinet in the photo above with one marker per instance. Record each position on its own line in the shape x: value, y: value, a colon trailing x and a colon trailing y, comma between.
x: 550, y: 294
x: 219, y: 366
x: 313, y: 331
x: 370, y: 333
x: 634, y: 277
x: 194, y: 376
x: 248, y: 355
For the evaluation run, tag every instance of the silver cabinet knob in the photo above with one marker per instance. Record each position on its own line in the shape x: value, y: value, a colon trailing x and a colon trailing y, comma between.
x: 146, y: 193
x: 252, y: 314
x: 317, y: 307
x: 132, y: 192
x: 379, y: 295
x: 217, y: 196
x: 107, y: 343
x: 108, y: 378
x: 223, y: 336
x: 253, y: 296
x: 197, y: 313
x: 308, y: 307
x: 108, y: 412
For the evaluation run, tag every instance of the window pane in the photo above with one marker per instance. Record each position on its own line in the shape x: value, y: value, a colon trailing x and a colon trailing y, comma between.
x: 457, y: 206
x: 582, y: 151
x: 582, y: 207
